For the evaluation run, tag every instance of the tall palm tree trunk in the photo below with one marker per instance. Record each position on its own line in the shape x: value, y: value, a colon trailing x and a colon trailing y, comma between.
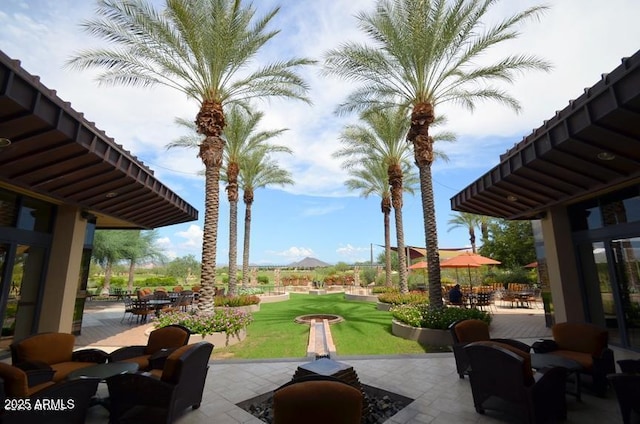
x: 210, y: 122
x: 472, y: 239
x: 395, y: 181
x: 386, y: 210
x: 431, y: 231
x: 421, y: 117
x: 232, y: 194
x: 233, y: 247
x: 248, y: 201
x: 210, y: 239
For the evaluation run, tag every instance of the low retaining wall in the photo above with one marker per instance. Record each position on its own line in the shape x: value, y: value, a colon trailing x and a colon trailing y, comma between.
x: 219, y: 340
x: 361, y: 297
x: 424, y: 336
x: 272, y: 298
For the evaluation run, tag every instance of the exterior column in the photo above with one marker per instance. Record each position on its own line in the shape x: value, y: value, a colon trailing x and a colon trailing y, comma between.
x: 562, y: 266
x: 63, y: 274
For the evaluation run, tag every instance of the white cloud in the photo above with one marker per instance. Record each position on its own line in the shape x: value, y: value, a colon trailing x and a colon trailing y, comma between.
x: 319, y: 210
x: 294, y: 253
x: 192, y: 237
x: 354, y: 254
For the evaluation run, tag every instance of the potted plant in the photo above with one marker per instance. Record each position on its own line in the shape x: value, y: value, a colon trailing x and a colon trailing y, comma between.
x: 216, y: 327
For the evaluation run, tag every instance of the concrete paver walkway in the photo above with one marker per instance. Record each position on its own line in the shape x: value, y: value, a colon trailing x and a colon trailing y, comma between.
x: 441, y: 397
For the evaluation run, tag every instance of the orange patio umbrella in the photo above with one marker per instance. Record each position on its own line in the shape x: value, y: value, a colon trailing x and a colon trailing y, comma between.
x: 419, y: 265
x: 532, y: 265
x: 468, y: 260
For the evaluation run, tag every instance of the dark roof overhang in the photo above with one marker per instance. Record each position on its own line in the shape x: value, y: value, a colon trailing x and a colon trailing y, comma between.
x: 589, y: 148
x: 57, y: 155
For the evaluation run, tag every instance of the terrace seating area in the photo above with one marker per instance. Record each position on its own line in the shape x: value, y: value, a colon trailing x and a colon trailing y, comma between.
x: 431, y: 379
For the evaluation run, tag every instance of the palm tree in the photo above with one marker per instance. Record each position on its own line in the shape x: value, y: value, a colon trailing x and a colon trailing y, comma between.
x: 371, y: 178
x: 424, y: 54
x: 202, y: 48
x: 257, y: 170
x: 242, y: 139
x: 466, y: 220
x: 381, y: 139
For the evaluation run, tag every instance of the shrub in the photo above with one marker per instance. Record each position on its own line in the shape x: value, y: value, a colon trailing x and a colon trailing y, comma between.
x: 250, y: 290
x: 229, y: 321
x: 397, y: 298
x: 234, y: 301
x: 384, y: 289
x: 440, y: 319
x: 158, y: 281
x: 263, y: 279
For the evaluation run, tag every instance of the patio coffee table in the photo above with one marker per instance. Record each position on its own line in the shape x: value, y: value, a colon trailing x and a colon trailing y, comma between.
x: 102, y: 372
x: 548, y: 360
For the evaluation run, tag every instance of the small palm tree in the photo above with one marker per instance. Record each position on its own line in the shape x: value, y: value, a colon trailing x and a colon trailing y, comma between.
x: 242, y: 139
x: 371, y: 178
x: 257, y: 170
x: 204, y: 49
x: 424, y: 54
x: 382, y: 139
x: 466, y: 220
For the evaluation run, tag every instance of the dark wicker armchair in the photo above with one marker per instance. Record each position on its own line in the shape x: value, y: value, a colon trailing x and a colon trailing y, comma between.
x: 161, y: 342
x: 501, y: 378
x: 626, y: 384
x: 158, y: 396
x: 53, y: 351
x: 468, y: 331
x: 29, y: 387
x: 588, y: 345
x: 317, y: 399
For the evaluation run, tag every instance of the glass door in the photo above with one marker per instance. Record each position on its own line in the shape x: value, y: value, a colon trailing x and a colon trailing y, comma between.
x: 21, y: 290
x: 625, y: 254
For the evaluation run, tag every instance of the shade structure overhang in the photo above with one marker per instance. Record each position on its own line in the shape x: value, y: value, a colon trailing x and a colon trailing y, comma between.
x: 587, y: 149
x: 57, y: 155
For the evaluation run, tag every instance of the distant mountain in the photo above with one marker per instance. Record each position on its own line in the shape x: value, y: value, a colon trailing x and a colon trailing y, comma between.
x: 308, y: 263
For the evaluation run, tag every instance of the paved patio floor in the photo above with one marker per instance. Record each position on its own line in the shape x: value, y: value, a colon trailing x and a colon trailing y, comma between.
x: 431, y: 379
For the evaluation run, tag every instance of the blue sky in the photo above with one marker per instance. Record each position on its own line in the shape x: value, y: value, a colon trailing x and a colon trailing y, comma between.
x: 317, y: 217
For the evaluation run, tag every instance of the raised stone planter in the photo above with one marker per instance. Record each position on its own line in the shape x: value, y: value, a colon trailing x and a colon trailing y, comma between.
x: 272, y: 298
x: 361, y: 297
x: 381, y: 306
x: 219, y: 340
x: 248, y: 308
x: 317, y: 291
x: 424, y: 336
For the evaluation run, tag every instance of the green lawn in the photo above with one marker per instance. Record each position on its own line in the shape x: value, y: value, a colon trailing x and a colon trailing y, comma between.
x: 274, y: 334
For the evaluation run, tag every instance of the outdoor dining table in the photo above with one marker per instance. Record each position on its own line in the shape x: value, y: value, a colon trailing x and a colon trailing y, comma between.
x: 157, y: 304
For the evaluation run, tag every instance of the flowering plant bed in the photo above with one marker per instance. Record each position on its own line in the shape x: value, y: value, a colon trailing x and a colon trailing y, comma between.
x: 229, y: 321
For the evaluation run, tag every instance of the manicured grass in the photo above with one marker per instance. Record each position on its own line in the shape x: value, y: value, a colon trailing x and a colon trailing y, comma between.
x: 274, y: 334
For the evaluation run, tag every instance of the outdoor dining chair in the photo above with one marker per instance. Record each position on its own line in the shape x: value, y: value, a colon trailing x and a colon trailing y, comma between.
x: 468, y: 331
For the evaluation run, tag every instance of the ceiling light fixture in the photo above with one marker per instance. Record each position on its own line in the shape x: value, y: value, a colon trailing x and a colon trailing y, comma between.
x: 606, y: 156
x: 512, y: 198
x: 111, y: 195
x: 4, y: 142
